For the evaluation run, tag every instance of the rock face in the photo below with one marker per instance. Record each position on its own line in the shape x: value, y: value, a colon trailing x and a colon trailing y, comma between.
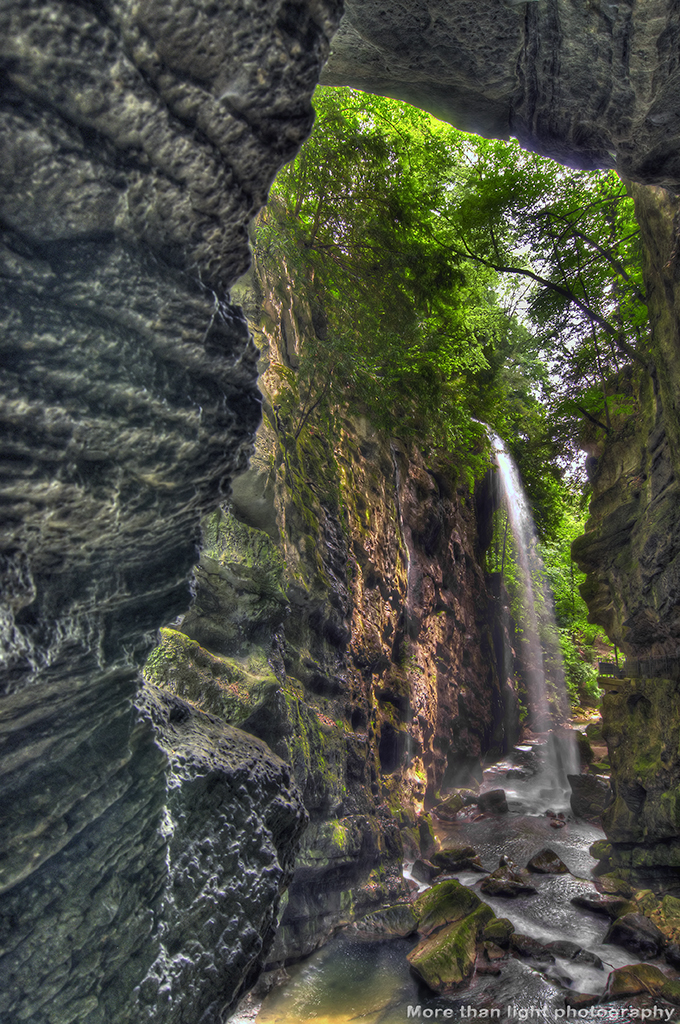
x: 138, y: 141
x: 631, y: 554
x: 594, y: 85
x: 341, y: 615
x: 165, y: 890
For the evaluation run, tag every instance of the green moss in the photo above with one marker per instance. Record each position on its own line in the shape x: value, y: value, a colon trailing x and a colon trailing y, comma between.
x: 229, y: 687
x: 447, y: 961
x: 444, y: 903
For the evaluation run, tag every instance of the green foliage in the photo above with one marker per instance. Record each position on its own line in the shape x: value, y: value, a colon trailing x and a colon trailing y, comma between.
x: 410, y: 326
x: 454, y: 281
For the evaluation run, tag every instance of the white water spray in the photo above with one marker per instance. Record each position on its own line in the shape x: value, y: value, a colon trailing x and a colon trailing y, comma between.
x: 546, y: 690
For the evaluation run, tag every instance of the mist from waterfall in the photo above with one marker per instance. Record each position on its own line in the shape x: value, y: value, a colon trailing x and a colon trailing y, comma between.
x: 546, y: 692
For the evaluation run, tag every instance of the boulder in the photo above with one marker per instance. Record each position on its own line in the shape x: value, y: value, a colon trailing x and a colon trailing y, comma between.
x: 393, y: 922
x: 499, y: 931
x: 508, y: 880
x: 457, y: 858
x: 446, y: 960
x: 528, y: 947
x: 635, y: 979
x: 428, y: 843
x: 590, y: 796
x: 637, y: 934
x: 572, y: 951
x: 599, y: 903
x: 424, y: 871
x: 546, y: 862
x: 448, y: 809
x: 493, y: 802
x: 443, y: 904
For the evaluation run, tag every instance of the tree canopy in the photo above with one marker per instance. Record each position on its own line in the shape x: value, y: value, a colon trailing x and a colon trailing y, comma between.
x: 459, y: 280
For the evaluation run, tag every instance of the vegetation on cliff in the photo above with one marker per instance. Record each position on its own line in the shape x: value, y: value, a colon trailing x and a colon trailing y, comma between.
x: 455, y: 281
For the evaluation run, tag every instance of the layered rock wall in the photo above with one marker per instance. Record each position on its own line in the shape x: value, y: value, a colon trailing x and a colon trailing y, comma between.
x: 137, y: 142
x: 342, y: 615
x: 591, y: 85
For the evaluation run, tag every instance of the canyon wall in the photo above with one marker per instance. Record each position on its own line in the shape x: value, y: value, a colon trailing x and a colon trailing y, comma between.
x: 138, y: 141
x: 342, y: 615
x: 139, y: 138
x: 589, y: 84
x: 631, y: 554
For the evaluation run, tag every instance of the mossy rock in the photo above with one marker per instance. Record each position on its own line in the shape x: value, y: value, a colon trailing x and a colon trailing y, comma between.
x: 446, y: 961
x: 232, y: 688
x: 428, y: 843
x: 456, y: 858
x: 449, y: 808
x: 398, y: 921
x: 499, y: 931
x: 443, y: 904
x: 584, y: 748
x: 642, y: 978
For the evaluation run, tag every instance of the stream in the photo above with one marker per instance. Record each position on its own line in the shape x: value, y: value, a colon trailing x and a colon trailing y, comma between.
x: 370, y: 982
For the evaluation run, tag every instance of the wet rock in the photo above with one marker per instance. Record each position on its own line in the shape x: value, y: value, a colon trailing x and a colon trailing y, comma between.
x: 546, y: 862
x: 508, y: 880
x: 635, y: 979
x: 528, y: 947
x: 637, y: 934
x: 493, y: 802
x: 558, y: 823
x: 599, y: 903
x: 590, y: 796
x: 446, y: 960
x: 428, y: 843
x: 443, y: 904
x: 393, y: 922
x: 448, y: 809
x: 572, y: 951
x: 494, y: 952
x: 457, y: 858
x: 672, y: 954
x: 581, y: 1000
x: 516, y: 773
x: 499, y: 932
x: 425, y: 871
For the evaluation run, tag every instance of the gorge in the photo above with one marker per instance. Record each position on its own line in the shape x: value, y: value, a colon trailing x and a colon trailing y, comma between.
x: 146, y: 841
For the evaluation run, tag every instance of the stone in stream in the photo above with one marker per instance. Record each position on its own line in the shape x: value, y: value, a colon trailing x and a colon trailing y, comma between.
x: 572, y: 951
x: 393, y: 922
x: 590, y: 796
x: 443, y: 904
x: 528, y: 947
x: 672, y: 954
x: 637, y: 934
x: 499, y: 932
x: 508, y: 880
x: 642, y: 978
x: 448, y: 809
x: 493, y: 802
x: 446, y: 960
x: 546, y: 862
x: 457, y: 858
x: 600, y: 903
x: 424, y: 870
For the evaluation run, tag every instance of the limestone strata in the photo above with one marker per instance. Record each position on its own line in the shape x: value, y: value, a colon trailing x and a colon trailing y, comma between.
x: 594, y: 85
x: 138, y: 140
x: 641, y: 727
x: 342, y: 615
x: 160, y: 871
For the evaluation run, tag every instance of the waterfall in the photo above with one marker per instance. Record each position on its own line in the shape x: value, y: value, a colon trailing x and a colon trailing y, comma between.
x: 547, y: 700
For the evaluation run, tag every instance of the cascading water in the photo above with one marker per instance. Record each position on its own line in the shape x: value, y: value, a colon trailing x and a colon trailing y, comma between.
x: 545, y: 685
